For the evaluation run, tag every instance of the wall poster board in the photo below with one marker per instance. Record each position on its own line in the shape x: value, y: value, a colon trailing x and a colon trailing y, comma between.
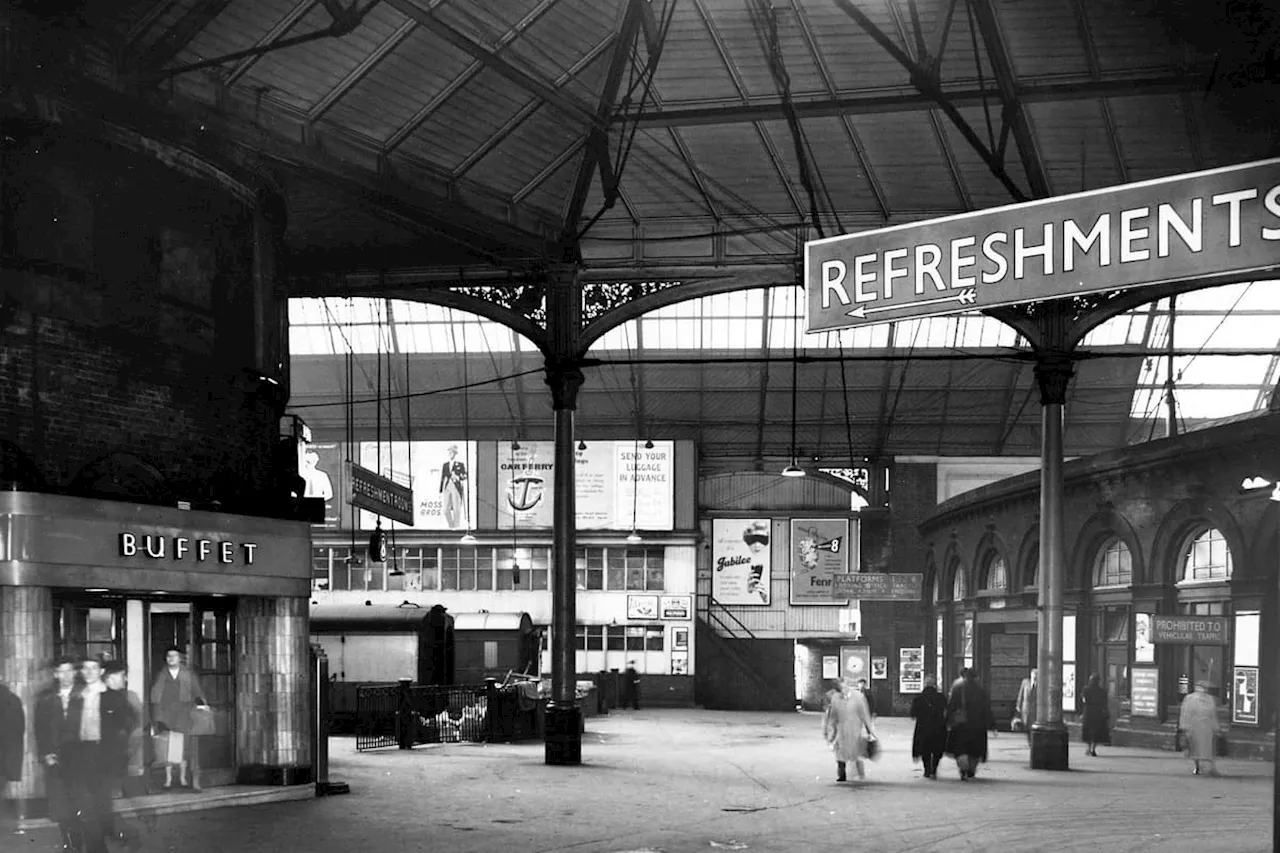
x: 820, y: 549
x: 855, y: 662
x: 911, y: 669
x: 1144, y: 692
x: 1011, y: 650
x: 831, y: 666
x: 741, y: 561
x: 879, y: 668
x: 1244, y: 700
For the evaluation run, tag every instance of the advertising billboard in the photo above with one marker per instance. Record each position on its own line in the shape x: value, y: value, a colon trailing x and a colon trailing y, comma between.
x: 620, y: 485
x: 741, y: 561
x: 441, y: 474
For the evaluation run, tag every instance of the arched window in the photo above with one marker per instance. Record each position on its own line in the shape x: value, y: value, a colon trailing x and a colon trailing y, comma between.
x: 1114, y: 565
x: 995, y: 575
x: 937, y: 588
x: 957, y: 585
x: 1032, y: 573
x: 1207, y: 559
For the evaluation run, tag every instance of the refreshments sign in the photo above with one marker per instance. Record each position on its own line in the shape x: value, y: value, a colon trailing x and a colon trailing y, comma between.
x: 1213, y: 226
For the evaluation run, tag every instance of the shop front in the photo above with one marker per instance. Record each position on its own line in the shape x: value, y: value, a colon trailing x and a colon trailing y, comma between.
x: 125, y: 582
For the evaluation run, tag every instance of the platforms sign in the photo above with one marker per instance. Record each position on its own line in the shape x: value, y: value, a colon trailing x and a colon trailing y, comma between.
x: 876, y: 586
x: 1213, y: 226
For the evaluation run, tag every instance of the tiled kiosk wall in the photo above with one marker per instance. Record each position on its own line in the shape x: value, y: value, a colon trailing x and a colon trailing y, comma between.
x: 273, y: 728
x: 26, y: 635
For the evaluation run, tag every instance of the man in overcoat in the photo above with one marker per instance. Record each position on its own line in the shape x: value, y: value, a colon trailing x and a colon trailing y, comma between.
x: 58, y: 712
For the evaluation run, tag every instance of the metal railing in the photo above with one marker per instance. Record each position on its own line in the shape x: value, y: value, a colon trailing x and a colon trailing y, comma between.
x: 377, y: 716
x: 724, y: 621
x: 405, y: 715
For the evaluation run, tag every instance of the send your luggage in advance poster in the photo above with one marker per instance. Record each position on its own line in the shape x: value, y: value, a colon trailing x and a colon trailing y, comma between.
x: 820, y: 549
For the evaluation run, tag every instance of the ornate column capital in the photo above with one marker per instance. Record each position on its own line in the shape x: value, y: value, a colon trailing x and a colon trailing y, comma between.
x: 1053, y: 373
x: 564, y: 379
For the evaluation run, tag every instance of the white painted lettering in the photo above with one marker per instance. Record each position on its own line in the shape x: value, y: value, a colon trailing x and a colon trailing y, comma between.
x: 180, y: 547
x: 128, y: 545
x: 1073, y: 239
x: 928, y: 268
x: 202, y: 549
x: 861, y: 277
x: 249, y: 548
x: 1021, y: 251
x: 154, y: 546
x: 226, y: 551
x: 959, y: 262
x: 1232, y: 200
x: 833, y: 273
x: 1272, y: 204
x: 890, y: 273
x: 1167, y: 219
x: 1128, y: 234
x: 997, y: 258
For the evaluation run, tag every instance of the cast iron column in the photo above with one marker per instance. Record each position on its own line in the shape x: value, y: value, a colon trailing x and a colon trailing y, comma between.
x: 564, y: 717
x: 1048, y: 734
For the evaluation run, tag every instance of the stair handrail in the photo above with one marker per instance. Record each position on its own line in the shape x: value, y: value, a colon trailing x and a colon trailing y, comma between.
x: 712, y: 603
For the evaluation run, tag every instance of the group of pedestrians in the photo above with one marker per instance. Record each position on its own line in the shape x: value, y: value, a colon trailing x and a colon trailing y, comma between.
x: 89, y: 730
x: 958, y: 724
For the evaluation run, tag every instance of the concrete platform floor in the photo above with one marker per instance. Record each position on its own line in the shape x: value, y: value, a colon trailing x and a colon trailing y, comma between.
x: 690, y: 780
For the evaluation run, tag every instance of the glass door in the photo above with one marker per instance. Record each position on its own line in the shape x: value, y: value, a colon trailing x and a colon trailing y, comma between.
x: 215, y: 664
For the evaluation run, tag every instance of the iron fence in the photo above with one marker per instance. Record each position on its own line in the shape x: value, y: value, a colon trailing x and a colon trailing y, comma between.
x: 377, y: 716
x: 405, y: 714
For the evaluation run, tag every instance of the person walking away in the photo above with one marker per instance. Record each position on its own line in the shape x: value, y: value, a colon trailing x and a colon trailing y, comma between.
x: 13, y: 729
x: 865, y: 690
x: 1025, y: 706
x: 968, y: 719
x: 174, y: 694
x: 929, y: 741
x: 848, y: 727
x: 1095, y: 723
x: 1198, y: 723
x: 58, y: 744
x: 122, y: 743
x: 631, y: 686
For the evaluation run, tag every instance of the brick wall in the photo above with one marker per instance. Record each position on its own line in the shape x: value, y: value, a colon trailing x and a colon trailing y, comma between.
x: 126, y: 315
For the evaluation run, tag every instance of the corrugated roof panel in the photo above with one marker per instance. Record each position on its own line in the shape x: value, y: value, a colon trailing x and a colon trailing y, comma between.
x: 854, y: 59
x: 958, y: 63
x: 832, y: 156
x: 1075, y: 145
x: 1127, y: 36
x: 561, y: 37
x: 984, y: 189
x: 658, y: 183
x: 405, y: 81
x: 1153, y: 137
x: 302, y: 75
x: 483, y: 21
x: 736, y: 169
x: 746, y: 39
x: 690, y: 69
x: 168, y: 17
x: 1224, y: 138
x: 902, y: 151
x: 553, y: 193
x: 1042, y: 38
x: 466, y: 120
x: 239, y: 27
x: 537, y: 141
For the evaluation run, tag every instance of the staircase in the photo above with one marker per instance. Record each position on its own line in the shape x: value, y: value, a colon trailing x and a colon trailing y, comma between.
x: 736, y: 670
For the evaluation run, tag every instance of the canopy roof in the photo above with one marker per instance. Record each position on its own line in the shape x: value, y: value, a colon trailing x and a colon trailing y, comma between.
x: 425, y: 144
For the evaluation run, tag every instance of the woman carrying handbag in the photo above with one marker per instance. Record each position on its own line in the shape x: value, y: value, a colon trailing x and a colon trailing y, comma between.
x: 180, y: 713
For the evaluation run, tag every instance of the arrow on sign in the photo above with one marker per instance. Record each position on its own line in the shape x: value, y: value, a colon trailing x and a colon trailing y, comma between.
x: 964, y: 297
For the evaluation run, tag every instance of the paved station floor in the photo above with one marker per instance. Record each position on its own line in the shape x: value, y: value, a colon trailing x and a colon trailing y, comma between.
x: 682, y: 780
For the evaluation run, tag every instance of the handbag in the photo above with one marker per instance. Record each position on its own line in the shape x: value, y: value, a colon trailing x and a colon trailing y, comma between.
x: 1220, y: 746
x: 1179, y: 742
x: 873, y: 747
x: 203, y: 721
x: 169, y: 747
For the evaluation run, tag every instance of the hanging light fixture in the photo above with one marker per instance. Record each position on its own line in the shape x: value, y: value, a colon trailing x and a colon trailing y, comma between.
x: 515, y: 527
x: 467, y: 538
x: 794, y: 469
x: 378, y: 544
x: 582, y: 445
x: 633, y: 537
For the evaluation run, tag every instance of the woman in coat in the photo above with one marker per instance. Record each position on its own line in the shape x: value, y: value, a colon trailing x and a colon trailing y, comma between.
x: 847, y: 727
x: 174, y: 694
x: 929, y: 742
x: 1199, y: 725
x: 1095, y: 723
x: 968, y: 719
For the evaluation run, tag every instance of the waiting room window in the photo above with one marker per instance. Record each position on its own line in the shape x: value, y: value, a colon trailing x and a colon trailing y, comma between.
x: 590, y: 638
x: 535, y: 568
x: 86, y: 631
x: 1114, y: 565
x: 590, y: 568
x: 1208, y: 558
x: 635, y: 569
x: 320, y: 568
x: 641, y: 638
x: 996, y: 575
x: 466, y: 568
